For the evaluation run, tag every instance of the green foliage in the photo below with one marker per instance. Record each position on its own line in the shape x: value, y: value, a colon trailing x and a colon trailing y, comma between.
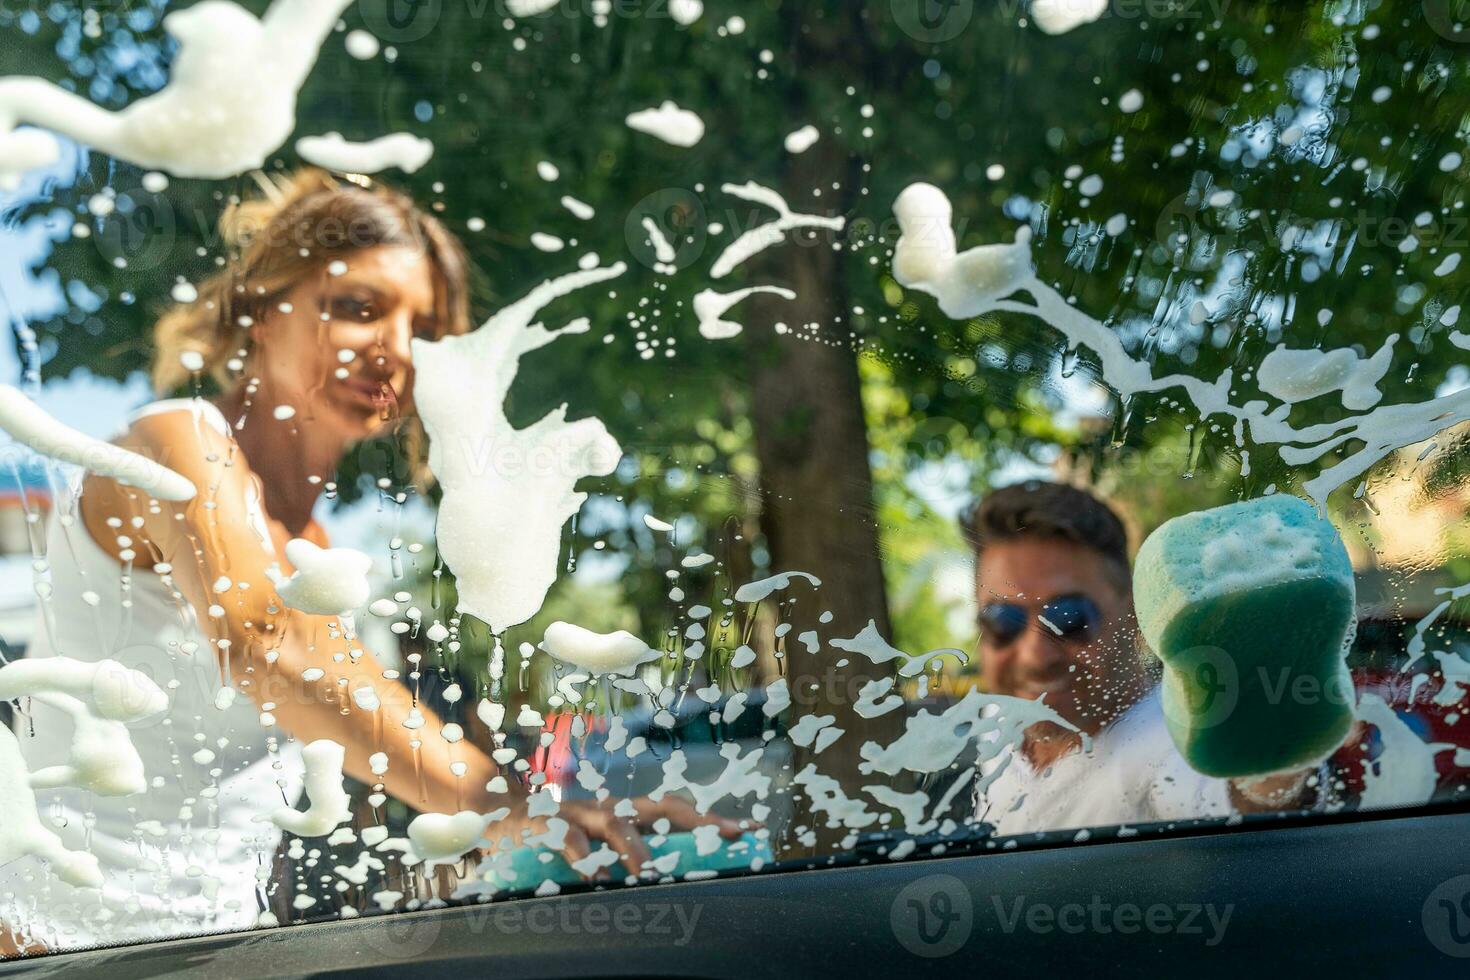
x: 496, y: 97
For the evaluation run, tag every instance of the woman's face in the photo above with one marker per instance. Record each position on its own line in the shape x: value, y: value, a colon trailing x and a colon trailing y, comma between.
x: 336, y: 349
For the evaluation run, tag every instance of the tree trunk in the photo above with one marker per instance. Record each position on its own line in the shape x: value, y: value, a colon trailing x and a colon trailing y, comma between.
x: 818, y: 512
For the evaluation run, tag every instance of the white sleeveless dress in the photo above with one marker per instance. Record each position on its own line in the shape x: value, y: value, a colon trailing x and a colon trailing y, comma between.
x: 193, y: 854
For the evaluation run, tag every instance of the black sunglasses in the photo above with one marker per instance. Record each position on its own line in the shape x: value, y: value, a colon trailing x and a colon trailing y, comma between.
x: 1071, y: 618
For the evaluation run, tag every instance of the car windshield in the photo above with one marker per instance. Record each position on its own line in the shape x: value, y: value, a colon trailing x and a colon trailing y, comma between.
x: 460, y: 452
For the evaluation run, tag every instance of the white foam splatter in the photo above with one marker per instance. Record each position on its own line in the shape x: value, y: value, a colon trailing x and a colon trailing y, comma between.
x: 29, y: 424
x: 361, y: 45
x: 405, y: 151
x: 925, y: 256
x: 117, y: 693
x: 100, y: 697
x: 679, y: 127
x: 442, y: 838
x: 326, y: 581
x: 329, y: 805
x: 711, y: 306
x: 761, y: 588
x: 579, y: 209
x: 931, y: 742
x: 762, y: 237
x: 979, y: 280
x: 803, y: 139
x: 25, y: 834
x: 686, y: 12
x: 229, y: 104
x: 870, y: 644
x: 507, y: 491
x: 1405, y: 773
x: 528, y: 8
x: 662, y: 250
x: 1299, y: 375
x: 1061, y: 16
x: 596, y: 653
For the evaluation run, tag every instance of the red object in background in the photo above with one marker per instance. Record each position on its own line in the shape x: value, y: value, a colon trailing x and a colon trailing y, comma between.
x: 1412, y: 697
x: 558, y: 760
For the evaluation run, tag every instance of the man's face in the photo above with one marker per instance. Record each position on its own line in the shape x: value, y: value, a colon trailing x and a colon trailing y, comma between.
x: 1088, y: 673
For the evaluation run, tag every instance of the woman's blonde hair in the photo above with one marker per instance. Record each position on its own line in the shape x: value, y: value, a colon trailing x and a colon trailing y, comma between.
x: 292, y: 231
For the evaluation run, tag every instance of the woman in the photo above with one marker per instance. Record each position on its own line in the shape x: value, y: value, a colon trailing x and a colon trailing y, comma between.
x: 305, y: 334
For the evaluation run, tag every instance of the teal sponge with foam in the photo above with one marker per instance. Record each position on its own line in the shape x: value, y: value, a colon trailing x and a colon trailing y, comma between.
x: 1251, y: 608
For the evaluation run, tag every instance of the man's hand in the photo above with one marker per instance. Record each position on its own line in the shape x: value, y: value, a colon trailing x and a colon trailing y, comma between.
x: 1265, y: 794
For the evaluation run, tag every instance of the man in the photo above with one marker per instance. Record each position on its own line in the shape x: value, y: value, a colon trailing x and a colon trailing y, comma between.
x: 1055, y: 592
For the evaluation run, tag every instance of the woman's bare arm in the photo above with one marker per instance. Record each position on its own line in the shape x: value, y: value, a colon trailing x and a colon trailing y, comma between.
x: 265, y: 646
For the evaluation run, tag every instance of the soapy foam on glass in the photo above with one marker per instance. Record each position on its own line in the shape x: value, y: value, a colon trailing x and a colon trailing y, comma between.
x: 686, y: 12
x: 25, y: 835
x: 668, y: 122
x: 326, y: 581
x: 329, y: 805
x: 803, y: 139
x: 1299, y: 375
x: 596, y: 653
x: 762, y: 237
x: 402, y: 150
x: 442, y: 838
x: 987, y: 279
x: 229, y: 104
x: 710, y: 308
x: 29, y: 424
x: 870, y: 644
x: 100, y: 697
x: 1405, y: 773
x: 507, y: 492
x: 1061, y: 16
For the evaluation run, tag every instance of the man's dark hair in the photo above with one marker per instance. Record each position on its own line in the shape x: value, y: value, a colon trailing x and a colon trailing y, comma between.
x: 1037, y: 509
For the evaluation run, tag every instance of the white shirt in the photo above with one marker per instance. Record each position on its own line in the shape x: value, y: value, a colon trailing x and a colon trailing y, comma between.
x: 1133, y: 774
x: 189, y: 854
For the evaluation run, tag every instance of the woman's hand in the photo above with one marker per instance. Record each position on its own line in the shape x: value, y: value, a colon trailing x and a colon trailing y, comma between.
x: 594, y: 820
